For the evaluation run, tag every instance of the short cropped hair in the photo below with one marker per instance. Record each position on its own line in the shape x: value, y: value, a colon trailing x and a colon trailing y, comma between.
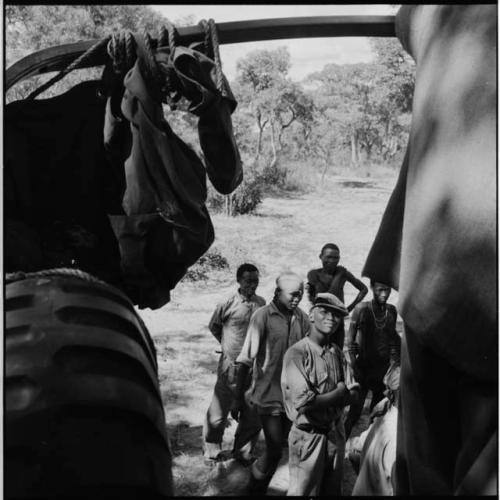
x: 245, y: 268
x: 331, y: 246
x: 286, y: 276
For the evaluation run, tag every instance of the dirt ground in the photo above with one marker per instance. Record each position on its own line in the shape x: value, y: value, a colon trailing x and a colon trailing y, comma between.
x: 285, y: 233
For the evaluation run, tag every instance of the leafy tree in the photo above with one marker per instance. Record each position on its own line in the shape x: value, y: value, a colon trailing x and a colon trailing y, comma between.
x: 368, y: 103
x: 275, y: 102
x: 34, y: 27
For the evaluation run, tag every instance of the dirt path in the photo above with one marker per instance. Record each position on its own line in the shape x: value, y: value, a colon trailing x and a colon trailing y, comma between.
x: 286, y: 233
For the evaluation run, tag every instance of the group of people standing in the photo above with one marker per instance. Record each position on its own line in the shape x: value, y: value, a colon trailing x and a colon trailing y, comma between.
x: 285, y: 372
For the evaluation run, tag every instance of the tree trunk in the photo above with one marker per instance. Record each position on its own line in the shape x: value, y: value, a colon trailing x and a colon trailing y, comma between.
x: 324, y: 171
x: 354, y: 149
x: 228, y: 201
x: 259, y: 143
x: 273, y: 147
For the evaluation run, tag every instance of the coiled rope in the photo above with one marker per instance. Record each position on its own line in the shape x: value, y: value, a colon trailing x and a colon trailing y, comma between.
x: 211, y: 46
x: 169, y: 36
x: 61, y: 271
x: 121, y: 49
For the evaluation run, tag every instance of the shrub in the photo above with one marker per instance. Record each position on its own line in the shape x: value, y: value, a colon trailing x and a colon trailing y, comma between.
x: 274, y: 175
x: 210, y: 261
x: 247, y: 196
x: 245, y: 199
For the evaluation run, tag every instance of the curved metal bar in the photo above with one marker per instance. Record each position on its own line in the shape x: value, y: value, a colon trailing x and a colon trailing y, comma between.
x: 57, y: 58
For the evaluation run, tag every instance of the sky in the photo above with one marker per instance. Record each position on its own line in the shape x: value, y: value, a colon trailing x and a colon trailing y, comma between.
x: 307, y: 54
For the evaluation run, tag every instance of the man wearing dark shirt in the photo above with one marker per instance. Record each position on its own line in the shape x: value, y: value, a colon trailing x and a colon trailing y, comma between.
x: 331, y: 278
x: 372, y: 343
x: 229, y: 325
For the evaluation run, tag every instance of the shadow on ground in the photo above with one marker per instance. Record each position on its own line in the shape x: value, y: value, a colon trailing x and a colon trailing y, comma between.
x: 227, y: 477
x: 273, y: 216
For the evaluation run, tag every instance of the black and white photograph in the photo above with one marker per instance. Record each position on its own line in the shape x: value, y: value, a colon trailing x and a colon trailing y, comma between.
x: 250, y: 250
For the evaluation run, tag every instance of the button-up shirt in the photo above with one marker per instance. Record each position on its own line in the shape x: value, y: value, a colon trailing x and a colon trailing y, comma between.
x: 269, y: 335
x: 309, y: 370
x: 230, y: 321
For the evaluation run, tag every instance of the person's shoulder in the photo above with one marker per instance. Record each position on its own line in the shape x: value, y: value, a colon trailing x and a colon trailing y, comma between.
x: 302, y: 314
x: 228, y: 300
x: 393, y: 310
x: 361, y: 307
x: 261, y: 311
x: 260, y: 301
x: 297, y: 350
x: 313, y: 273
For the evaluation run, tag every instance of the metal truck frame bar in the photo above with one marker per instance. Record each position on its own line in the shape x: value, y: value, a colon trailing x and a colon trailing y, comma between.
x: 57, y: 58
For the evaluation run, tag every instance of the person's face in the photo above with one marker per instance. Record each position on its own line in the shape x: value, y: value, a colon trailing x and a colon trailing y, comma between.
x: 290, y: 294
x: 381, y: 293
x: 330, y: 258
x: 249, y: 281
x: 325, y: 319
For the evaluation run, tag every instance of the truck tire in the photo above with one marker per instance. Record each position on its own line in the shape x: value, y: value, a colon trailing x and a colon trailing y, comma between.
x: 83, y: 409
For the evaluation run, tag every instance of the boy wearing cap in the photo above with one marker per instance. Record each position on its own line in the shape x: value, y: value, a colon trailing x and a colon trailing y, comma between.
x: 229, y: 325
x: 372, y: 343
x: 272, y: 329
x: 317, y: 384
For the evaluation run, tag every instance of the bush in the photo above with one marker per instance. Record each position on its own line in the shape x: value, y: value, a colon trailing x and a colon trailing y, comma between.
x: 244, y: 200
x: 210, y: 261
x: 247, y: 196
x: 274, y: 175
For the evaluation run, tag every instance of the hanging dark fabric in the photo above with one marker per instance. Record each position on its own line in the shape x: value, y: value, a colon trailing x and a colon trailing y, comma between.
x: 198, y: 83
x: 59, y: 186
x: 165, y: 226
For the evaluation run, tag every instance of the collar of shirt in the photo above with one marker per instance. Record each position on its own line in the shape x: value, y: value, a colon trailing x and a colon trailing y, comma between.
x: 273, y: 309
x: 243, y: 299
x: 316, y: 347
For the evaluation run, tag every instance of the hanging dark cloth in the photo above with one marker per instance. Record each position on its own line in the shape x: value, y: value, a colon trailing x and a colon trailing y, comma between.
x: 198, y: 79
x: 105, y: 185
x: 58, y: 185
x: 165, y: 227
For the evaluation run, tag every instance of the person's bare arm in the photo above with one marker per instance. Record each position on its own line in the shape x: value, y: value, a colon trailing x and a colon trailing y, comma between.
x: 357, y: 283
x: 311, y: 286
x: 352, y: 334
x: 216, y: 322
x: 395, y: 342
x: 338, y: 397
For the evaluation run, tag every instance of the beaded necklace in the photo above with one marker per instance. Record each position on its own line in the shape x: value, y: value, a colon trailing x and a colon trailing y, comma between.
x: 379, y: 322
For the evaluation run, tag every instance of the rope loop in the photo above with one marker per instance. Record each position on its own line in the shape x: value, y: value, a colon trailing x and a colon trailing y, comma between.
x: 130, y: 52
x: 163, y: 38
x: 207, y: 42
x: 152, y: 69
x: 173, y: 36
